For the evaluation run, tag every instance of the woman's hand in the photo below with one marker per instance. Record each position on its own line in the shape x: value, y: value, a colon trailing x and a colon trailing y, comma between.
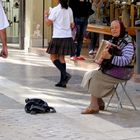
x: 4, y: 52
x: 105, y: 54
x: 46, y: 14
x: 72, y: 25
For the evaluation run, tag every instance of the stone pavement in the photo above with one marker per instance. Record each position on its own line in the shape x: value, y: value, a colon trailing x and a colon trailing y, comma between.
x: 24, y: 75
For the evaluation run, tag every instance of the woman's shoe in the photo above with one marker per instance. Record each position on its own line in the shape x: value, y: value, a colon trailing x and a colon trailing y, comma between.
x: 90, y: 111
x: 80, y: 58
x: 101, y: 104
x: 60, y: 85
x: 90, y: 52
x: 68, y: 77
x: 73, y: 58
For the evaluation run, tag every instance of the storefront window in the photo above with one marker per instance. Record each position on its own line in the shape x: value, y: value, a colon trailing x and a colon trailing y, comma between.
x: 27, y: 26
x: 11, y: 8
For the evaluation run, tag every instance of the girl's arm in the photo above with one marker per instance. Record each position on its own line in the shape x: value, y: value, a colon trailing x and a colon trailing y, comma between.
x: 48, y: 21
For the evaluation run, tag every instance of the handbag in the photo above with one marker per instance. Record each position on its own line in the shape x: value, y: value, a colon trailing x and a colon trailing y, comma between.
x: 36, y: 105
x: 123, y: 73
x: 119, y: 72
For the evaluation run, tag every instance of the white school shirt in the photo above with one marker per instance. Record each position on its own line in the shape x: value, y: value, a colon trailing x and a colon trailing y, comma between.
x: 3, y: 19
x: 62, y: 18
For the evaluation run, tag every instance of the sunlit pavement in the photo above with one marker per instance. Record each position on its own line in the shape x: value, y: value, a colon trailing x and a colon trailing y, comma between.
x: 27, y: 75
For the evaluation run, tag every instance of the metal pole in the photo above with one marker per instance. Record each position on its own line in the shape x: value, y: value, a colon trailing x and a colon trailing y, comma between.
x: 138, y: 51
x: 43, y: 24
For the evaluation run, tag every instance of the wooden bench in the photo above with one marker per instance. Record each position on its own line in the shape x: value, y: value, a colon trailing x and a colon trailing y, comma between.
x: 105, y: 30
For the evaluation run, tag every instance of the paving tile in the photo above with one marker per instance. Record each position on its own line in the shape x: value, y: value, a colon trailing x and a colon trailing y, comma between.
x: 25, y: 75
x: 123, y: 134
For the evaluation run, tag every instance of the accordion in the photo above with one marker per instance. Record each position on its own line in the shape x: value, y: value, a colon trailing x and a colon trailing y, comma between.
x: 112, y: 48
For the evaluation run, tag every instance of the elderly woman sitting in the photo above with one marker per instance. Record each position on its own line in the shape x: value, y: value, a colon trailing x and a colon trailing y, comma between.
x: 118, y: 68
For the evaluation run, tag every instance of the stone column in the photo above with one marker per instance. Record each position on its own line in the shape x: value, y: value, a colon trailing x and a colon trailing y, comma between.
x: 34, y: 21
x: 22, y: 24
x: 28, y: 24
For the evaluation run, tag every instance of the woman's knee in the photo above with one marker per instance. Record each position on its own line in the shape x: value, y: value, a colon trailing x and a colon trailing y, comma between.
x: 53, y: 57
x: 62, y: 58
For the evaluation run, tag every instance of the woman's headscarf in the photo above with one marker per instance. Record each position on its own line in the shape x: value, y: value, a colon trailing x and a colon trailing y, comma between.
x: 123, y: 32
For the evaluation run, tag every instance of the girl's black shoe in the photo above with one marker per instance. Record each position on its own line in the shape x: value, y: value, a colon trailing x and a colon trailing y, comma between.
x: 68, y: 77
x: 64, y: 82
x: 60, y: 85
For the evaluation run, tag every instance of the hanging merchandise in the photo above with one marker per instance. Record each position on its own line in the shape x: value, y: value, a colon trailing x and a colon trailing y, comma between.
x: 16, y: 5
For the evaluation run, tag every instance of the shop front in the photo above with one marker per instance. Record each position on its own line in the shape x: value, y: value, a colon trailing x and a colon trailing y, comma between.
x: 26, y: 19
x: 12, y: 10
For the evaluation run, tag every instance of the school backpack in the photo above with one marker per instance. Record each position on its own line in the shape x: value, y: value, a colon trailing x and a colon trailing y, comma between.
x: 35, y: 105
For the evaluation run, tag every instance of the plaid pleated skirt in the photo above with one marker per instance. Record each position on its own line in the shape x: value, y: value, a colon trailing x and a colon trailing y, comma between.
x: 61, y: 46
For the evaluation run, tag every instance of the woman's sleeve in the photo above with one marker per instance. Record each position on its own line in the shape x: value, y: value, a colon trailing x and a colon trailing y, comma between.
x: 52, y: 15
x: 126, y: 56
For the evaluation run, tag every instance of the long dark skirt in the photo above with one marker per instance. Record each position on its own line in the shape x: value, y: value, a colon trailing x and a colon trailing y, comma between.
x: 61, y: 46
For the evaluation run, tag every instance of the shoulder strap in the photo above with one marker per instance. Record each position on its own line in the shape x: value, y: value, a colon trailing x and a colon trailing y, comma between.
x: 52, y: 110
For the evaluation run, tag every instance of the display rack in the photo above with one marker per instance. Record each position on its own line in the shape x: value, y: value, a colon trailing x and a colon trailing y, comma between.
x: 125, y: 10
x: 11, y: 9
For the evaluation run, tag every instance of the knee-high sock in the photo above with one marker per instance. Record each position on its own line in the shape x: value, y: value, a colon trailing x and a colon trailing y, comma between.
x: 64, y: 66
x: 61, y: 67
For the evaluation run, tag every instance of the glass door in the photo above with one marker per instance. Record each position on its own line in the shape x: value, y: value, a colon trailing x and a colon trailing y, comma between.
x: 11, y: 8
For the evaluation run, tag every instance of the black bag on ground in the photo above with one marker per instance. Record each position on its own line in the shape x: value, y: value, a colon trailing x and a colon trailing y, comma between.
x: 35, y: 105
